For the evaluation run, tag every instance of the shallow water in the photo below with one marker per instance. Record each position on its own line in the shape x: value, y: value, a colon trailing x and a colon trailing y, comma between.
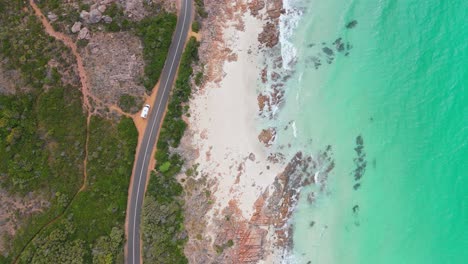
x: 398, y: 79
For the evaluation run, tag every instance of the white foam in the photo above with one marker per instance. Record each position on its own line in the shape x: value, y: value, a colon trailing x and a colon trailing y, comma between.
x: 288, y: 23
x: 294, y: 129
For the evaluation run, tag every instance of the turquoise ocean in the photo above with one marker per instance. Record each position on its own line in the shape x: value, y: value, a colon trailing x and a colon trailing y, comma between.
x: 384, y: 83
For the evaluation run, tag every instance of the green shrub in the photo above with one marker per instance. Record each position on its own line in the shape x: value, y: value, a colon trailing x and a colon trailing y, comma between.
x: 128, y: 103
x: 163, y: 200
x: 196, y: 26
x: 156, y: 35
x: 200, y: 7
x: 199, y: 78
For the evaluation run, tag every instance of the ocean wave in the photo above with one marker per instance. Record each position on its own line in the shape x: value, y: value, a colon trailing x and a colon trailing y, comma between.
x: 288, y: 23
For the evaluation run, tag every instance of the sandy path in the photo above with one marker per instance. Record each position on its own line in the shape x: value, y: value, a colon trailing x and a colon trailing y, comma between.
x: 86, y: 104
x: 79, y: 61
x: 85, y: 90
x: 83, y: 78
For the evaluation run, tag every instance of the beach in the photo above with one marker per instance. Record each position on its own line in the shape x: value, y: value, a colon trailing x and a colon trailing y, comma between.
x: 222, y: 142
x: 244, y: 184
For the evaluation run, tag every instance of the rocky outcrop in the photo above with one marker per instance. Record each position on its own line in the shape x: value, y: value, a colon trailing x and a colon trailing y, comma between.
x: 267, y: 136
x: 255, y: 6
x: 114, y: 62
x: 269, y: 36
x: 267, y: 227
x: 270, y: 33
x: 52, y: 17
x: 76, y: 27
x: 84, y: 34
x: 95, y: 16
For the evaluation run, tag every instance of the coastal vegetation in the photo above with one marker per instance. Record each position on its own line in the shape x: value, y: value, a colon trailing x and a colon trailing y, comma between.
x: 163, y: 231
x: 200, y: 7
x: 156, y: 35
x: 128, y: 103
x: 45, y: 145
x: 92, y: 226
x: 39, y: 152
x: 196, y: 26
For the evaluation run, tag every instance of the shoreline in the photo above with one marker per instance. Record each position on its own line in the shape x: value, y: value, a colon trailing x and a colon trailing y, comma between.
x: 243, y: 182
x: 244, y: 187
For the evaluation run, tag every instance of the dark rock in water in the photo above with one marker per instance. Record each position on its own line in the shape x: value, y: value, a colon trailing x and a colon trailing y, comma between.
x: 328, y: 51
x: 311, y: 45
x: 309, y: 262
x: 323, y: 43
x: 312, y: 224
x: 347, y: 53
x: 359, y: 140
x: 337, y: 41
x: 315, y: 60
x: 351, y: 24
x: 357, y: 223
x: 358, y: 149
x: 356, y: 186
x: 340, y: 47
x: 356, y: 208
x: 348, y: 46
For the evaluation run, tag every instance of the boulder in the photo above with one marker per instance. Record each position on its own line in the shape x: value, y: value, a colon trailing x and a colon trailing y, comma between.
x: 95, y: 16
x: 84, y: 15
x: 76, y: 27
x: 107, y: 19
x: 84, y: 34
x: 52, y: 17
x: 102, y: 8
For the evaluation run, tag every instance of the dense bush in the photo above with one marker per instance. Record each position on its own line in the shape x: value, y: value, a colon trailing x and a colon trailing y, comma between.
x: 163, y: 232
x: 42, y: 149
x: 119, y: 21
x: 156, y: 34
x: 42, y: 129
x: 97, y: 214
x: 200, y: 7
x: 128, y: 103
x: 196, y: 26
x: 173, y: 126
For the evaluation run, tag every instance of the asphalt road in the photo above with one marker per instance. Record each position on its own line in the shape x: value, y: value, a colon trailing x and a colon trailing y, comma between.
x: 155, y: 118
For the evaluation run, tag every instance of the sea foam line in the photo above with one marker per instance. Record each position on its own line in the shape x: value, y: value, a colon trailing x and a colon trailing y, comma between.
x: 288, y: 22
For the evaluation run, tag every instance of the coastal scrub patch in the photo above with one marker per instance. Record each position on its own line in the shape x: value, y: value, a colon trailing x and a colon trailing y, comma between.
x: 164, y: 235
x: 92, y: 226
x: 163, y: 231
x: 128, y: 103
x: 156, y: 34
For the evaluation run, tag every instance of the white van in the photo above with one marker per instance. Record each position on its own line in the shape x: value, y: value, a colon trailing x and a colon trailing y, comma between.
x: 145, y: 111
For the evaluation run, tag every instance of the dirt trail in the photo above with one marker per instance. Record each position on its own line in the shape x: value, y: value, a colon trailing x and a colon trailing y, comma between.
x: 83, y: 77
x: 86, y: 105
x: 79, y: 61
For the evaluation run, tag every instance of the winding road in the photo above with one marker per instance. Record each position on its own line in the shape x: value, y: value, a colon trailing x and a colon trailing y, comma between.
x: 155, y: 118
